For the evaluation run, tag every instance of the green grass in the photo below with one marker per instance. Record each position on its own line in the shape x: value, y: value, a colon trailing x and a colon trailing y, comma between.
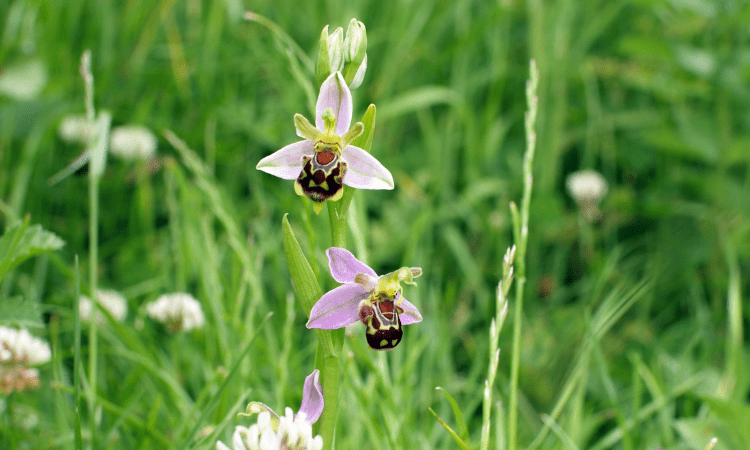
x: 633, y: 330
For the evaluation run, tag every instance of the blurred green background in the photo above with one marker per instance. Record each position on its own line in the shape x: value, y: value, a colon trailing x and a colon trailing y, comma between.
x: 633, y: 331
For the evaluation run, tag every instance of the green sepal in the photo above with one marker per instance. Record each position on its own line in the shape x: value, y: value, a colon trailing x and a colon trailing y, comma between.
x: 323, y: 64
x: 22, y: 241
x: 364, y: 140
x: 305, y: 283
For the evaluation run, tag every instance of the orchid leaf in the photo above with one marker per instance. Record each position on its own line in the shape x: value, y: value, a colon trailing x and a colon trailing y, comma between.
x: 305, y: 283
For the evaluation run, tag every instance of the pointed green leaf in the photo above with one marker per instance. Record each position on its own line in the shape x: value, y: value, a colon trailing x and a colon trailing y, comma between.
x: 21, y: 242
x: 458, y: 440
x: 463, y: 430
x: 363, y: 141
x: 303, y: 278
x: 304, y: 281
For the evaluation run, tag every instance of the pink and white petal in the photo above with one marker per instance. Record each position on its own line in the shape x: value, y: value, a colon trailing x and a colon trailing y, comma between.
x: 286, y: 163
x: 411, y: 313
x: 312, y: 398
x: 365, y: 172
x: 337, y: 308
x: 345, y: 266
x: 335, y: 94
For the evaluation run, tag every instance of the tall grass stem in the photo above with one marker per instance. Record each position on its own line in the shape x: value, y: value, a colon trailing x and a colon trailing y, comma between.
x: 521, y: 235
x: 88, y: 80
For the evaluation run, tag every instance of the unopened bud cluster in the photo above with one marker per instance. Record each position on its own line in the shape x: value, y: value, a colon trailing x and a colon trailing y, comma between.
x: 345, y: 54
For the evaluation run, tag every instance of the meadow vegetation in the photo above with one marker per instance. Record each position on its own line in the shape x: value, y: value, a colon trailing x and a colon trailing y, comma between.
x: 633, y: 321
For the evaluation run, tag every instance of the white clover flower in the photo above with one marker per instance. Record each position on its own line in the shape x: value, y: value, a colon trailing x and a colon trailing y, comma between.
x: 19, y: 350
x: 291, y: 433
x: 19, y: 346
x: 588, y: 188
x: 287, y: 432
x: 179, y: 311
x: 75, y: 129
x: 112, y: 301
x: 132, y: 142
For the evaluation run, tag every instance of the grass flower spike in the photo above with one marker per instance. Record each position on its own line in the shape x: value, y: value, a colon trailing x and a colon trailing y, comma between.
x: 287, y: 432
x: 324, y: 161
x: 376, y: 301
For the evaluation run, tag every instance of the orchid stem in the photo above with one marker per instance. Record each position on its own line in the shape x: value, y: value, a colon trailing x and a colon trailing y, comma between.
x: 328, y: 364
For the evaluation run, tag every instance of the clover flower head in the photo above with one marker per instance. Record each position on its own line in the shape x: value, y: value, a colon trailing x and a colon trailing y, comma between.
x: 587, y: 187
x: 324, y: 162
x: 76, y: 129
x: 178, y: 311
x: 132, y: 142
x: 112, y: 301
x: 376, y: 301
x: 18, y: 351
x: 287, y: 432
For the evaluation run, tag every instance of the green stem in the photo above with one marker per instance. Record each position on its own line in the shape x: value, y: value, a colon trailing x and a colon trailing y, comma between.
x: 94, y: 174
x: 329, y: 364
x: 93, y: 258
x: 521, y: 236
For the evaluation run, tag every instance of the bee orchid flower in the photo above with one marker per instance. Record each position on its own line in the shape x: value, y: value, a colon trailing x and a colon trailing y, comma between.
x: 325, y: 161
x: 376, y: 301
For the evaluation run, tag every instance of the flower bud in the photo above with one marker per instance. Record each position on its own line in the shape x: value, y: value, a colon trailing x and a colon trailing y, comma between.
x: 355, y: 53
x: 330, y: 54
x: 360, y: 75
x: 355, y: 42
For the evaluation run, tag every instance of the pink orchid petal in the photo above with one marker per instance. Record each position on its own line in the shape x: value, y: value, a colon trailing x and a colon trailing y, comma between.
x: 312, y: 397
x: 411, y: 313
x: 335, y: 94
x: 337, y: 308
x: 287, y: 162
x: 365, y: 172
x: 345, y: 266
